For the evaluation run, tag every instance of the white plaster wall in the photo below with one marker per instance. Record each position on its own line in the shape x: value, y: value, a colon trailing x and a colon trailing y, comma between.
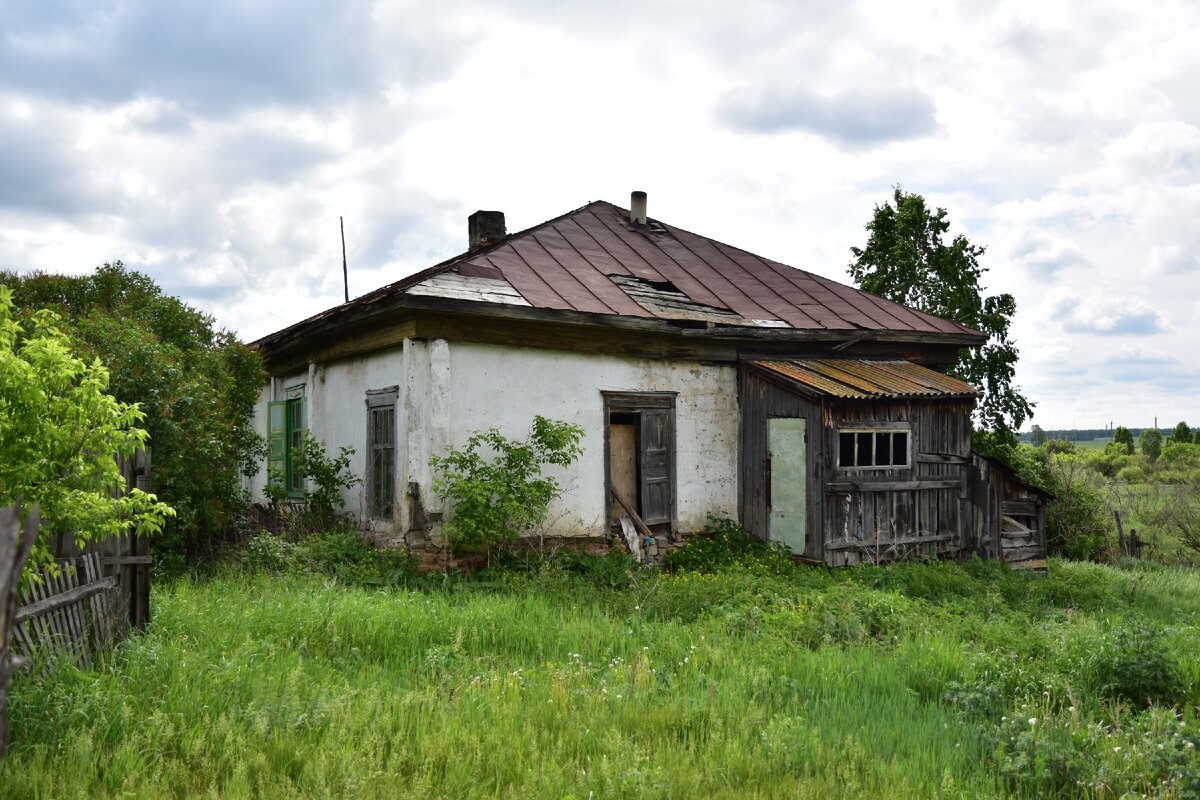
x: 491, y: 385
x: 335, y: 412
x: 449, y: 389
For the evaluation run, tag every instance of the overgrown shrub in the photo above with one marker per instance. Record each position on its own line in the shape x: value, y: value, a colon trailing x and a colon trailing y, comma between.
x: 196, y: 384
x: 495, y: 484
x: 325, y: 479
x: 1133, y: 664
x: 326, y: 476
x: 60, y: 431
x: 1078, y: 524
x: 843, y: 615
x: 1179, y: 463
x: 1133, y: 473
x: 724, y: 543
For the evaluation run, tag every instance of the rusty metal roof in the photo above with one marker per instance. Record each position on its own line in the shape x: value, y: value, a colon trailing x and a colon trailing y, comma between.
x: 857, y: 379
x: 594, y: 260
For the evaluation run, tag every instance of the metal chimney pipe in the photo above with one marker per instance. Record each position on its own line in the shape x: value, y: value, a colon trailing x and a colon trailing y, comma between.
x: 637, y: 208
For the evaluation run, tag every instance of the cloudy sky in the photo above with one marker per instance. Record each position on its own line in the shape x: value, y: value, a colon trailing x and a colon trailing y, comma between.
x: 214, y: 143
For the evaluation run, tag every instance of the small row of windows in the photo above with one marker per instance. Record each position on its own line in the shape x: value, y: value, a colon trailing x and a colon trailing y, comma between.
x: 873, y: 449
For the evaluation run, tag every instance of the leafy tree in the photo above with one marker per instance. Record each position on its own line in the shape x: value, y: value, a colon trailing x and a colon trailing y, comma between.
x: 60, y: 431
x: 1181, y: 434
x: 196, y: 385
x: 907, y: 260
x: 1151, y: 442
x: 1053, y: 446
x: 1124, y: 437
x: 497, y: 497
x: 1037, y: 436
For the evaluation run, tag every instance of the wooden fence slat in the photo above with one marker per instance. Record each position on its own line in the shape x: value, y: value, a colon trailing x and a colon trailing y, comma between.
x: 49, y: 606
x: 74, y: 612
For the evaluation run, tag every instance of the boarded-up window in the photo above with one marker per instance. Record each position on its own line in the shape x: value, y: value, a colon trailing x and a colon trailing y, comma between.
x: 381, y: 452
x: 872, y: 449
x: 641, y: 447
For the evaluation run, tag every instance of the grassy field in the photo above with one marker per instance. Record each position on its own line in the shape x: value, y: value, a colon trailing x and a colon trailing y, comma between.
x: 913, y: 681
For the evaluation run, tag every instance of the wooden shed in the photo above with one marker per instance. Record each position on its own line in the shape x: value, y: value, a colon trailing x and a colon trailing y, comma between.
x: 1009, y: 514
x: 852, y: 460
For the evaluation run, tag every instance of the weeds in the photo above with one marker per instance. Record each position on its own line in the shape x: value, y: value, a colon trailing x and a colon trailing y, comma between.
x: 585, y: 675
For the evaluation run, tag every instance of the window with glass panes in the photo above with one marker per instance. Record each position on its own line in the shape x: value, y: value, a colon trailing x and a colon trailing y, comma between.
x: 381, y: 451
x: 285, y: 437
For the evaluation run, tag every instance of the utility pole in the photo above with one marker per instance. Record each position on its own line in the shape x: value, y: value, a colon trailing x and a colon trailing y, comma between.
x: 345, y: 274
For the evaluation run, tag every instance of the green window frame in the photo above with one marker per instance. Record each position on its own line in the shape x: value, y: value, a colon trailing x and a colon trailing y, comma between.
x: 285, y: 436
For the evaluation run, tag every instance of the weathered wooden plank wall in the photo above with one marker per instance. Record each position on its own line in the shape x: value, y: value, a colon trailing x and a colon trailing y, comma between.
x: 939, y: 505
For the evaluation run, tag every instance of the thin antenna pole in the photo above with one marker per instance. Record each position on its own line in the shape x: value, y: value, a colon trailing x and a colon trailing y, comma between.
x: 345, y: 274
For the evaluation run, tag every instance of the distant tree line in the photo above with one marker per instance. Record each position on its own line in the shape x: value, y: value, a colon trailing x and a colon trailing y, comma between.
x: 1181, y: 433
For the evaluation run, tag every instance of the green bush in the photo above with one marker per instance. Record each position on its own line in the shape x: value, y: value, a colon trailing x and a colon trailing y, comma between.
x: 196, y: 384
x: 1133, y: 664
x: 1039, y: 758
x: 1132, y: 474
x: 724, y: 543
x: 844, y: 615
x: 1078, y: 524
x: 327, y: 476
x: 495, y: 498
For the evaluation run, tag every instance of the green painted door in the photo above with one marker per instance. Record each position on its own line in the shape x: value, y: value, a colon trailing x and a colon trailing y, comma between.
x: 788, y: 455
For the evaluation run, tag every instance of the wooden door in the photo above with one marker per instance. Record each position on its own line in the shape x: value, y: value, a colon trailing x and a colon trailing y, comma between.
x: 787, y: 455
x: 656, y: 466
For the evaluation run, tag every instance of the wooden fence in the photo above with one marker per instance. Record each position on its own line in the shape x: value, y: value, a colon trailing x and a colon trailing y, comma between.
x: 125, y: 557
x: 96, y: 592
x: 76, y: 611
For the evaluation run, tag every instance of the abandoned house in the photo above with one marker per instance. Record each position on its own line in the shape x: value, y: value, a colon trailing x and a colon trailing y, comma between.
x: 706, y: 379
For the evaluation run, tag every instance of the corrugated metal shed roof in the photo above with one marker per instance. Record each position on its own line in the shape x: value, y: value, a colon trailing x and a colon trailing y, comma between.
x: 857, y: 379
x: 594, y: 260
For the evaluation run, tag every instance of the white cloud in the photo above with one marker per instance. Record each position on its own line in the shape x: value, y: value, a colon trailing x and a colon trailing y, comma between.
x: 1106, y: 315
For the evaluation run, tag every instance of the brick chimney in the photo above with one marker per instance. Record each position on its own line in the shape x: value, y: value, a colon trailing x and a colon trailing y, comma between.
x: 485, y: 228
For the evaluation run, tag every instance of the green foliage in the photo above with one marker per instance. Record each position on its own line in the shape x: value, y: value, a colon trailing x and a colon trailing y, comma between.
x: 1133, y: 664
x: 906, y: 681
x: 1151, y: 443
x: 1179, y: 463
x: 1123, y: 437
x: 1037, y: 436
x: 1078, y: 523
x: 907, y: 260
x: 1180, y: 434
x: 724, y: 543
x: 496, y: 485
x: 1053, y: 446
x: 1133, y: 473
x: 1109, y: 461
x: 60, y: 431
x: 336, y: 553
x: 196, y: 385
x: 326, y: 479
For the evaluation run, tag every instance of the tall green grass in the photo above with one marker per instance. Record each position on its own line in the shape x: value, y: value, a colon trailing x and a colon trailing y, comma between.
x: 888, y: 682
